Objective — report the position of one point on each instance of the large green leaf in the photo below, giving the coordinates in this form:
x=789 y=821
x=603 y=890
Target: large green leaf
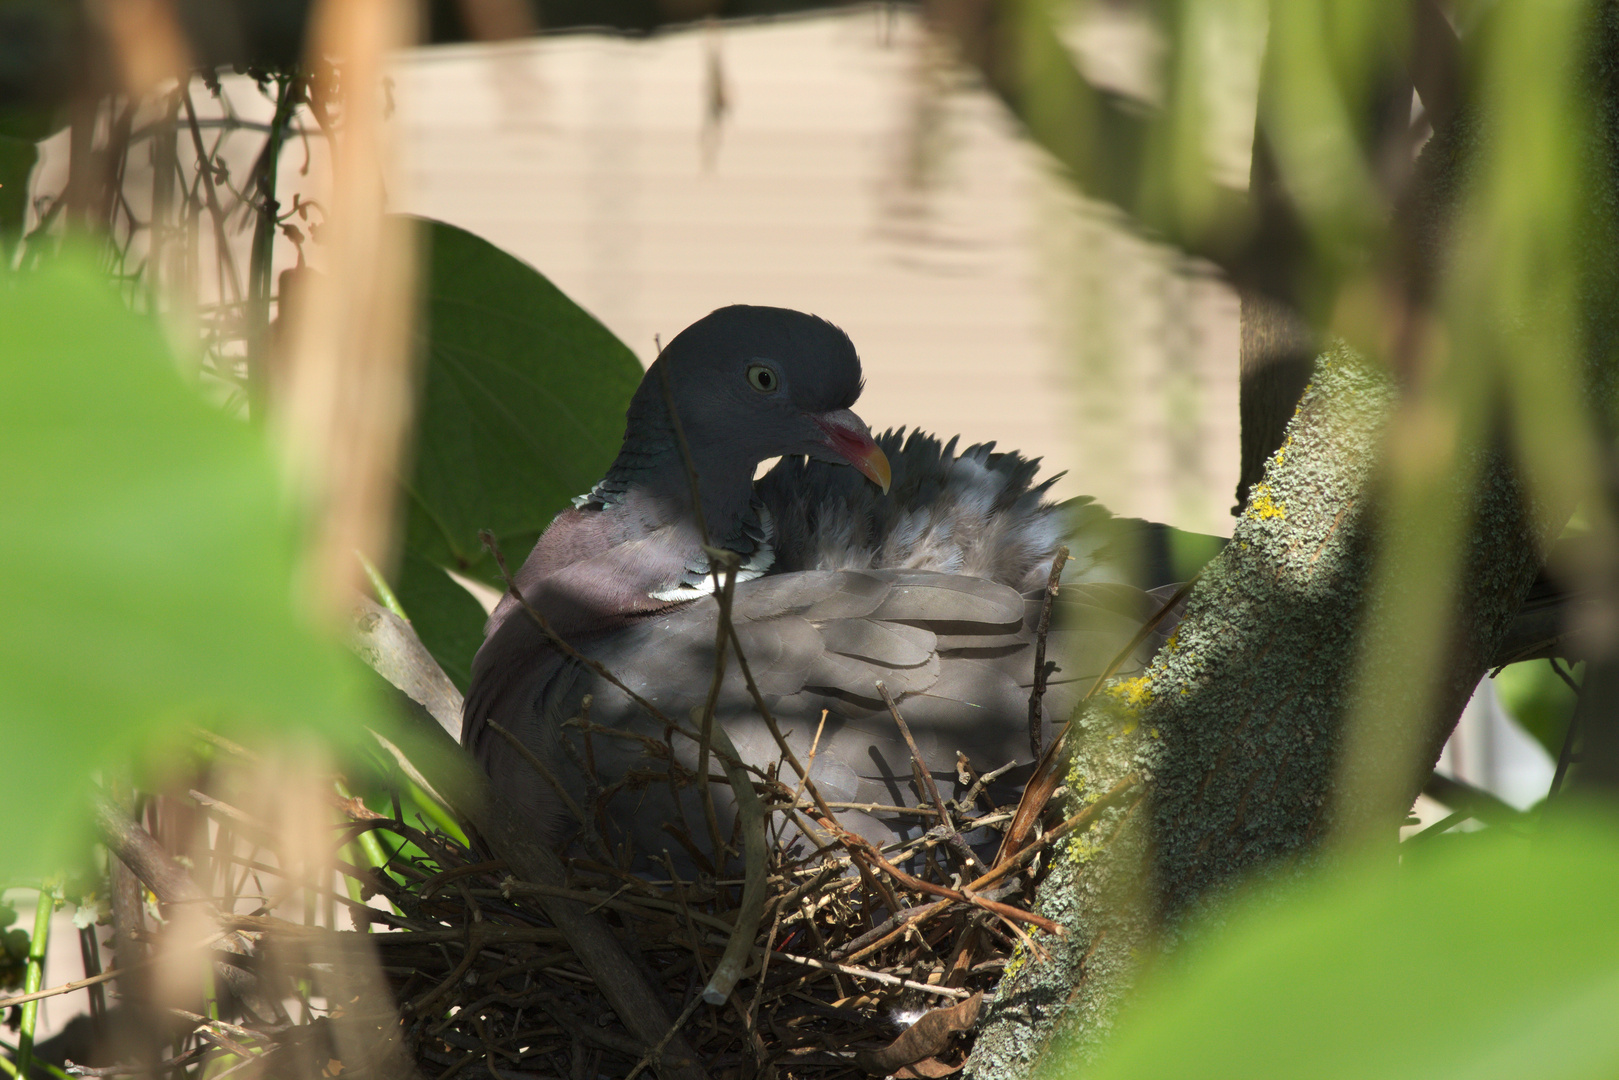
x=1488 y=957
x=147 y=561
x=522 y=408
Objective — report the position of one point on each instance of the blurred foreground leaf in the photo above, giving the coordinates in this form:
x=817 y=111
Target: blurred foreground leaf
x=1490 y=958
x=522 y=408
x=147 y=562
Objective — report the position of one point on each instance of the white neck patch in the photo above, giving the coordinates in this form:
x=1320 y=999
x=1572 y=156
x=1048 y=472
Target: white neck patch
x=699 y=580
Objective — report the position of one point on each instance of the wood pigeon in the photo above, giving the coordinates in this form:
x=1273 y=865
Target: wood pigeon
x=897 y=560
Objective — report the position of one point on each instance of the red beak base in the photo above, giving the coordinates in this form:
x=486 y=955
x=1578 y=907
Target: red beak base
x=856 y=446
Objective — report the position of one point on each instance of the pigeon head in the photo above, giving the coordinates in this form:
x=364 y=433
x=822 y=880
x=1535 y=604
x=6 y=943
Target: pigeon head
x=752 y=383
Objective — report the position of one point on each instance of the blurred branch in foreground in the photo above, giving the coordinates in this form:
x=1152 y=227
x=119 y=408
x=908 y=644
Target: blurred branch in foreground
x=348 y=382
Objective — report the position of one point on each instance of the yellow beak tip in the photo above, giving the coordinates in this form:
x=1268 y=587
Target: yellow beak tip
x=876 y=468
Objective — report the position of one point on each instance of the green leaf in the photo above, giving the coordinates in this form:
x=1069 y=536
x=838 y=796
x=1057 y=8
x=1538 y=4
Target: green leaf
x=1491 y=958
x=522 y=408
x=147 y=562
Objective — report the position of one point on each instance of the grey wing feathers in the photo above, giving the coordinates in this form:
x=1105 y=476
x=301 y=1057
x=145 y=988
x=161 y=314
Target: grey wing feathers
x=956 y=652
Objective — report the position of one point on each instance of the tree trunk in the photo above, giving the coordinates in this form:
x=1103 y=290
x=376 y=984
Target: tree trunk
x=1236 y=730
x=1276 y=355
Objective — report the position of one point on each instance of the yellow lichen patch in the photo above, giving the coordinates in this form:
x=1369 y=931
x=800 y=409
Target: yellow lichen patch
x=1263 y=505
x=1079 y=850
x=1132 y=693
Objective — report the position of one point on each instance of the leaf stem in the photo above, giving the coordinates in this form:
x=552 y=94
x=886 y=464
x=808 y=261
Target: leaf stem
x=10 y=1067
x=34 y=976
x=379 y=584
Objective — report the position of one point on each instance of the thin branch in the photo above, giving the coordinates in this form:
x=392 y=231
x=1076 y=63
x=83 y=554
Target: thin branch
x=876 y=976
x=952 y=838
x=1043 y=783
x=205 y=164
x=67 y=988
x=1041 y=672
x=551 y=778
x=966 y=895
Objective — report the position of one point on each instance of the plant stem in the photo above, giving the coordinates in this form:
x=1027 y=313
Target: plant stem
x=10 y=1068
x=385 y=594
x=259 y=263
x=34 y=976
x=435 y=811
x=366 y=850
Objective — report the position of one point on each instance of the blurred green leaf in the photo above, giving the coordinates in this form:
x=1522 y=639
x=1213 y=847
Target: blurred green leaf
x=1214 y=51
x=522 y=408
x=1495 y=958
x=1325 y=59
x=147 y=561
x=1539 y=221
x=1541 y=702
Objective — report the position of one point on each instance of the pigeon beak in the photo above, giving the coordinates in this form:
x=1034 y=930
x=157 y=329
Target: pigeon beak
x=850 y=439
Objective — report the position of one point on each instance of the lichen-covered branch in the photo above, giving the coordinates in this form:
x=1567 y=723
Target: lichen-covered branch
x=1231 y=726
x=1238 y=724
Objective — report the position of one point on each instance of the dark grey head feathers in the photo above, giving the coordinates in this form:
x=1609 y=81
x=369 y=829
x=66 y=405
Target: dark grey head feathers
x=816 y=363
x=746 y=382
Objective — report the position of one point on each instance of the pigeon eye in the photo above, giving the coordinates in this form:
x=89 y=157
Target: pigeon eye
x=761 y=378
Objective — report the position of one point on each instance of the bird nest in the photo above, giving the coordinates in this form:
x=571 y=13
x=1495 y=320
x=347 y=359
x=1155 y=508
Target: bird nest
x=858 y=967
x=865 y=962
